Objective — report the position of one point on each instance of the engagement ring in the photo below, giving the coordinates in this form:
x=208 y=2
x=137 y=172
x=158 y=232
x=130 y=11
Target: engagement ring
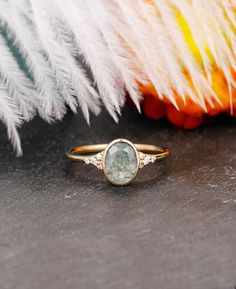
x=120 y=160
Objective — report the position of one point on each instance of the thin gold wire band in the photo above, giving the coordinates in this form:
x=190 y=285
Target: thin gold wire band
x=120 y=160
x=81 y=153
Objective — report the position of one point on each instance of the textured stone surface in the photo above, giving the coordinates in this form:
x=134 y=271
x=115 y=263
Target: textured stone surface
x=63 y=226
x=120 y=163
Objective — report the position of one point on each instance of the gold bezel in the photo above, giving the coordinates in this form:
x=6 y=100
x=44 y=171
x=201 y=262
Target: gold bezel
x=104 y=158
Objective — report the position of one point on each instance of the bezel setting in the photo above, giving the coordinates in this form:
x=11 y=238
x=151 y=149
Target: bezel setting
x=104 y=156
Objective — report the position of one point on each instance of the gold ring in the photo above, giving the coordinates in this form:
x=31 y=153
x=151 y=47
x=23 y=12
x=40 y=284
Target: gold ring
x=120 y=160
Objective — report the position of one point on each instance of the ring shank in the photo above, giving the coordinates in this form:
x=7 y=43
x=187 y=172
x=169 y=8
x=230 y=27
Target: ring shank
x=80 y=153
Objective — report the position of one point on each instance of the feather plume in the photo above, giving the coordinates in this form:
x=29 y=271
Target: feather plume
x=56 y=55
x=10 y=115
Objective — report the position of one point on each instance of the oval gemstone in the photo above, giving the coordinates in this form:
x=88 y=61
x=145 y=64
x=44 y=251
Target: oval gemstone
x=120 y=163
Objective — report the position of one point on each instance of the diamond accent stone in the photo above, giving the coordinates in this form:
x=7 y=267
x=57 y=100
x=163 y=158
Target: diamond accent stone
x=145 y=159
x=95 y=160
x=121 y=163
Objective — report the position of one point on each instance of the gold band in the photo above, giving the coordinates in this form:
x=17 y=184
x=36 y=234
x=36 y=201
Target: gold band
x=120 y=160
x=80 y=153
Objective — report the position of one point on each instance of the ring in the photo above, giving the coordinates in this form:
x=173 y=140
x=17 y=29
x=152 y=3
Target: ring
x=120 y=160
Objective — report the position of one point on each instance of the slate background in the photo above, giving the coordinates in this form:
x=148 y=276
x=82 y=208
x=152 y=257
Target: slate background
x=63 y=226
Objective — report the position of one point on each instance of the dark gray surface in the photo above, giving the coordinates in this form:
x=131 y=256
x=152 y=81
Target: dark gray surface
x=63 y=226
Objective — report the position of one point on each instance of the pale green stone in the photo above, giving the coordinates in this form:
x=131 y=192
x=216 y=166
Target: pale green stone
x=121 y=163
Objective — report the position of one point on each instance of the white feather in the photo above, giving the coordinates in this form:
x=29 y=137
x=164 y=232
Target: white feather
x=102 y=16
x=10 y=115
x=201 y=85
x=86 y=53
x=18 y=85
x=91 y=45
x=71 y=79
x=167 y=51
x=50 y=103
x=136 y=33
